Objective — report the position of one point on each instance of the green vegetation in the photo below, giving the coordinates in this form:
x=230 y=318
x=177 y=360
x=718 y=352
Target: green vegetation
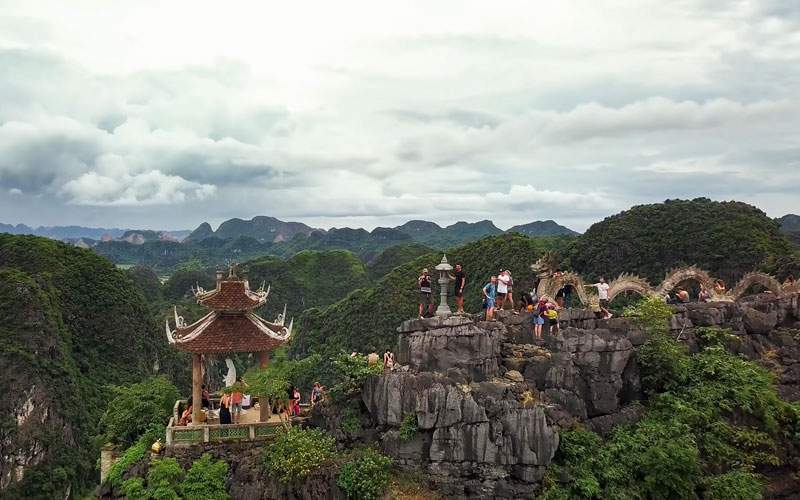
x=137 y=407
x=351 y=419
x=205 y=480
x=133 y=455
x=366 y=320
x=712 y=420
x=409 y=427
x=70 y=323
x=297 y=452
x=394 y=257
x=728 y=239
x=274 y=381
x=366 y=476
x=350 y=373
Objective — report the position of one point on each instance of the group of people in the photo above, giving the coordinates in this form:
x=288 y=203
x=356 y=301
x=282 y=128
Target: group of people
x=426 y=292
x=234 y=399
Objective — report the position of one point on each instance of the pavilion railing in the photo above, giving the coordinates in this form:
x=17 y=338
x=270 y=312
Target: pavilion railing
x=219 y=433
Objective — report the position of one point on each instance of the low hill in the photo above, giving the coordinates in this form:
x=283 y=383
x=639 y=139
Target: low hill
x=395 y=256
x=307 y=279
x=366 y=319
x=727 y=239
x=433 y=235
x=72 y=325
x=790 y=224
x=543 y=228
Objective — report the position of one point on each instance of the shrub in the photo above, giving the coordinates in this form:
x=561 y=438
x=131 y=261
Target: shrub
x=365 y=477
x=351 y=421
x=715 y=337
x=134 y=454
x=296 y=453
x=352 y=372
x=662 y=360
x=205 y=480
x=734 y=485
x=164 y=478
x=137 y=407
x=134 y=489
x=408 y=427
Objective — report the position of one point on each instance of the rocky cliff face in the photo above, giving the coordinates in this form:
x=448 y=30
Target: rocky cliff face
x=488 y=401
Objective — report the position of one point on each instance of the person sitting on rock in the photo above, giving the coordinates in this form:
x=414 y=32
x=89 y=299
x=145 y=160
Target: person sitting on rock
x=703 y=296
x=425 y=295
x=489 y=296
x=186 y=417
x=316 y=394
x=683 y=296
x=719 y=287
x=388 y=361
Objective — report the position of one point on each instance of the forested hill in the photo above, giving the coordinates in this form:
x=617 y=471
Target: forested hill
x=790 y=224
x=72 y=325
x=367 y=318
x=728 y=239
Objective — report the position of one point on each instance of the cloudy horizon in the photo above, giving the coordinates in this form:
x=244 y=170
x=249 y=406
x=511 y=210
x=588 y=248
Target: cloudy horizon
x=143 y=115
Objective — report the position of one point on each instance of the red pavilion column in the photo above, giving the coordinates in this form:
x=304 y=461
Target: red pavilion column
x=265 y=412
x=197 y=382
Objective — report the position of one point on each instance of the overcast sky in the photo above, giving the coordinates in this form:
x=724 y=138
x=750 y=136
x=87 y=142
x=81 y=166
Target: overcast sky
x=168 y=114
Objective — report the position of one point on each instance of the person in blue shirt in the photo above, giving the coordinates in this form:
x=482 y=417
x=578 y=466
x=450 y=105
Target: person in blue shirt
x=489 y=295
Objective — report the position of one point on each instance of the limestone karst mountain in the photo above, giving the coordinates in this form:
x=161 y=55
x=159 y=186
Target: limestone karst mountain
x=72 y=325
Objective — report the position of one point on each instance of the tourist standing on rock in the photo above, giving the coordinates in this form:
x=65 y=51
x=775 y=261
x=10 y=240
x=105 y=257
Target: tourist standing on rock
x=459 y=280
x=502 y=289
x=316 y=394
x=489 y=296
x=388 y=361
x=719 y=287
x=538 y=320
x=703 y=296
x=552 y=318
x=425 y=296
x=567 y=291
x=602 y=295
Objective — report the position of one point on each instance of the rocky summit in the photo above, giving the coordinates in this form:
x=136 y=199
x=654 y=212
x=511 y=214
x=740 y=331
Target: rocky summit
x=488 y=401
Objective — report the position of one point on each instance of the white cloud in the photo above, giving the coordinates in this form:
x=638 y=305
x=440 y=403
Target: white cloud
x=369 y=114
x=147 y=188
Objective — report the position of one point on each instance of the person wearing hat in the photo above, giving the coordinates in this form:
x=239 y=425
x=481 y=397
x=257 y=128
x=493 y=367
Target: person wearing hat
x=425 y=296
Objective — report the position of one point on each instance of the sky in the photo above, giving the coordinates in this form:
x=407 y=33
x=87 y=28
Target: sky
x=163 y=115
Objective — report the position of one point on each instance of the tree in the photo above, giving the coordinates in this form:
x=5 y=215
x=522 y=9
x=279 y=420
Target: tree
x=137 y=407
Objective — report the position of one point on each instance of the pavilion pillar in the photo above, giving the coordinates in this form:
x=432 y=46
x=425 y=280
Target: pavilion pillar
x=197 y=382
x=265 y=411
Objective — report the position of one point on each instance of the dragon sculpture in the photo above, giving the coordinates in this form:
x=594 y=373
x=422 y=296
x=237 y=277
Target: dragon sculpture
x=551 y=280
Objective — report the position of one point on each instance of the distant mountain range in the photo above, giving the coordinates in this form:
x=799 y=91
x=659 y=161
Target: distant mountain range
x=272 y=230
x=76 y=233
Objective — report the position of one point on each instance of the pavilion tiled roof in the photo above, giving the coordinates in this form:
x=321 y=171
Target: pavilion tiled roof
x=232 y=295
x=227 y=333
x=231 y=325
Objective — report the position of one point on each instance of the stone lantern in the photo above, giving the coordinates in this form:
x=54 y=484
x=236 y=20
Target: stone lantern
x=444 y=280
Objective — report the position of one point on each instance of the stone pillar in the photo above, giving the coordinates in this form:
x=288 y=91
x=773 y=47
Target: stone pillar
x=197 y=382
x=108 y=455
x=264 y=410
x=444 y=280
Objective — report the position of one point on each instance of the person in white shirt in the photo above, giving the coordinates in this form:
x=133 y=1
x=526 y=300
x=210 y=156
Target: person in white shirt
x=503 y=279
x=602 y=294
